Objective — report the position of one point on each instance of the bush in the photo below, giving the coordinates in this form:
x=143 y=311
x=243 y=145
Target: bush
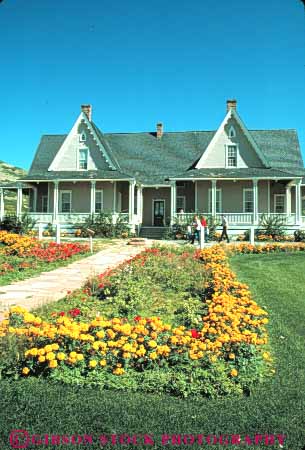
x=271 y=226
x=104 y=225
x=17 y=225
x=299 y=236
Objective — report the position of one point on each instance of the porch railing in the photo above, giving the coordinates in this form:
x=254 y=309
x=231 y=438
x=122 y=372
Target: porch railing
x=73 y=217
x=237 y=218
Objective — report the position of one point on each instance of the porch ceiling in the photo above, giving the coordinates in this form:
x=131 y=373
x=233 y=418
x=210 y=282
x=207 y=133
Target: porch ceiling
x=236 y=173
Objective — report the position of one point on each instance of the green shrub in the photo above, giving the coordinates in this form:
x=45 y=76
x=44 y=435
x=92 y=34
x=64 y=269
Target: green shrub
x=271 y=226
x=299 y=236
x=105 y=225
x=17 y=225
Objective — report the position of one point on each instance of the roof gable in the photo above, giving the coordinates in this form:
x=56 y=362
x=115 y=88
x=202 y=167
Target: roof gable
x=66 y=159
x=224 y=137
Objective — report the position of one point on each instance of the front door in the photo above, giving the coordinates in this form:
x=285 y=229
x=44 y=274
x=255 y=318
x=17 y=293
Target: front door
x=158 y=213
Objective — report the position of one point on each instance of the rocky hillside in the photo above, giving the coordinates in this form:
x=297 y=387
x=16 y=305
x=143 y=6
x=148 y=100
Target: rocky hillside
x=9 y=172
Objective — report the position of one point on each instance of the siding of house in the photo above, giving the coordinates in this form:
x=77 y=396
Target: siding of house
x=188 y=191
x=247 y=155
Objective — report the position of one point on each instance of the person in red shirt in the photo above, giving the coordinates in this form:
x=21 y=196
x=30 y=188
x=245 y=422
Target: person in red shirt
x=205 y=227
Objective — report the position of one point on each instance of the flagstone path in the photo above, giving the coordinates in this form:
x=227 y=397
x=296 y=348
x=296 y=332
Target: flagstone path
x=51 y=286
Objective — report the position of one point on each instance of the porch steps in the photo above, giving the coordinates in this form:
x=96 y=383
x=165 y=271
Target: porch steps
x=153 y=232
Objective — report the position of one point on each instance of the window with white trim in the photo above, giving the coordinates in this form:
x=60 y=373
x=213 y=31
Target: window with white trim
x=82 y=137
x=99 y=201
x=279 y=203
x=180 y=202
x=65 y=201
x=44 y=204
x=83 y=159
x=232 y=132
x=248 y=200
x=218 y=201
x=231 y=156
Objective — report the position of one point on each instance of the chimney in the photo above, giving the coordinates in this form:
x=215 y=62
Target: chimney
x=231 y=104
x=87 y=109
x=159 y=130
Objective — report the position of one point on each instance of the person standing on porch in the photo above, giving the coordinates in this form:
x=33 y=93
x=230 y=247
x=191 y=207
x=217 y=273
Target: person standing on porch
x=224 y=234
x=197 y=229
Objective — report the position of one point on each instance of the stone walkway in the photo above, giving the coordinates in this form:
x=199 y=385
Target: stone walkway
x=51 y=286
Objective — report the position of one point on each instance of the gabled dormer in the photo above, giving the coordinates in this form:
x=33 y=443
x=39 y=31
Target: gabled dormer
x=83 y=148
x=232 y=146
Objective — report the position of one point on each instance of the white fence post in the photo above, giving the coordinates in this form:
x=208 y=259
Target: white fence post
x=91 y=243
x=40 y=230
x=58 y=233
x=201 y=238
x=252 y=235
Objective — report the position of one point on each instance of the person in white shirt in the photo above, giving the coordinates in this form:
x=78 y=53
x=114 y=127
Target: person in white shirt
x=197 y=226
x=224 y=234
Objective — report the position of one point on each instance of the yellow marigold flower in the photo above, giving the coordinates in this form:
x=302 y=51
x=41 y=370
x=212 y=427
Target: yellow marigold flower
x=61 y=356
x=100 y=334
x=79 y=357
x=48 y=348
x=55 y=346
x=92 y=363
x=152 y=344
x=103 y=362
x=50 y=356
x=72 y=354
x=25 y=371
x=41 y=351
x=231 y=356
x=234 y=373
x=53 y=364
x=126 y=355
x=153 y=355
x=118 y=371
x=213 y=358
x=41 y=359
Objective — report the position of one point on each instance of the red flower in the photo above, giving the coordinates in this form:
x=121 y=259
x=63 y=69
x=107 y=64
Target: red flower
x=195 y=334
x=74 y=312
x=62 y=313
x=137 y=318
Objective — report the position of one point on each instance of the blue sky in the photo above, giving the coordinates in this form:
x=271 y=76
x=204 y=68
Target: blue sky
x=141 y=62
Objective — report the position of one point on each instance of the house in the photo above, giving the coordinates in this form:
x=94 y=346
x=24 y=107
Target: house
x=150 y=176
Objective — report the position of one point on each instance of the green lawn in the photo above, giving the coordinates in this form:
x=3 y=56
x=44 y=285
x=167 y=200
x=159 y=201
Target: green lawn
x=278 y=406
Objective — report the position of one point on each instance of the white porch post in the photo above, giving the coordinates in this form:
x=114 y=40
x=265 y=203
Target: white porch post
x=140 y=203
x=92 y=197
x=288 y=201
x=131 y=201
x=1 y=204
x=298 y=202
x=173 y=201
x=214 y=198
x=55 y=201
x=196 y=197
x=268 y=193
x=255 y=201
x=19 y=201
x=114 y=196
x=34 y=199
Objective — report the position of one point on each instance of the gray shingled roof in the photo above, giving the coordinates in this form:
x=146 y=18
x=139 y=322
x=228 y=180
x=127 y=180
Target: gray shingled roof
x=236 y=173
x=152 y=161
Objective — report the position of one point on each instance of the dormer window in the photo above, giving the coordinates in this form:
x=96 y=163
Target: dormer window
x=83 y=159
x=232 y=153
x=82 y=137
x=232 y=132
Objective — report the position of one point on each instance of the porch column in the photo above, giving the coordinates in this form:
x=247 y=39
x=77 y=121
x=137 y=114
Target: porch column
x=214 y=198
x=268 y=194
x=19 y=201
x=298 y=202
x=196 y=197
x=114 y=196
x=139 y=203
x=55 y=201
x=288 y=201
x=35 y=199
x=131 y=201
x=1 y=204
x=255 y=201
x=92 y=197
x=173 y=201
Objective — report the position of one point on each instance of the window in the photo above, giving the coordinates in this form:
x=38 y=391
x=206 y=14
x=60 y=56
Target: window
x=83 y=159
x=82 y=137
x=279 y=203
x=232 y=132
x=231 y=156
x=218 y=201
x=180 y=202
x=248 y=201
x=98 y=201
x=44 y=204
x=65 y=201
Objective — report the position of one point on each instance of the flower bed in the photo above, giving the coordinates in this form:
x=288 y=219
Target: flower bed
x=226 y=353
x=265 y=248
